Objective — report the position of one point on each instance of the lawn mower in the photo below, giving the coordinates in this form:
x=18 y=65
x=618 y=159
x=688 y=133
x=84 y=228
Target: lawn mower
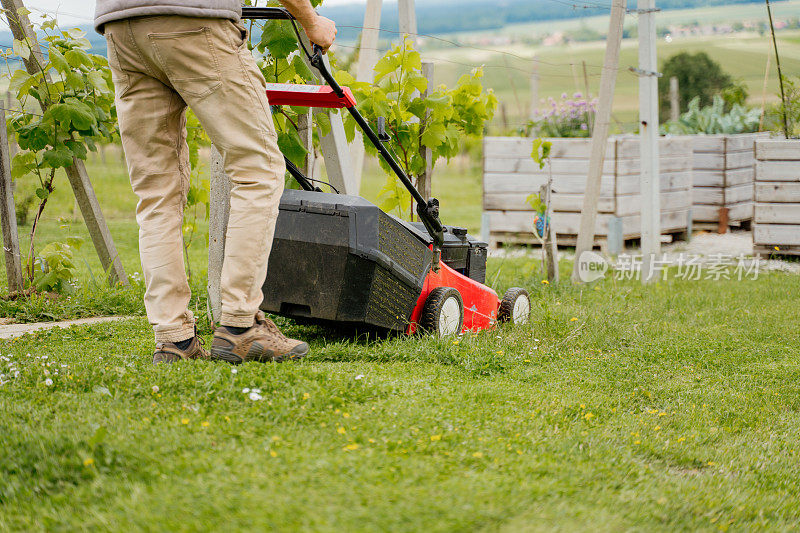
x=339 y=259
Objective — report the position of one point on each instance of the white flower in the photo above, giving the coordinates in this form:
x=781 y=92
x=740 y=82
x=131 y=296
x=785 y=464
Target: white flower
x=360 y=376
x=257 y=391
x=234 y=371
x=255 y=396
x=48 y=382
x=245 y=391
x=155 y=389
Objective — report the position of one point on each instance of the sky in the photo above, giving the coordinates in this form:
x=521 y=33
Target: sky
x=82 y=11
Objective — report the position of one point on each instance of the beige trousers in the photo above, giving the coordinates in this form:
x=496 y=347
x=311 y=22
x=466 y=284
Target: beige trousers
x=160 y=65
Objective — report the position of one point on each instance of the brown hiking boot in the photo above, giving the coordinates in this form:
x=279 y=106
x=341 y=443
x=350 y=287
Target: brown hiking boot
x=263 y=342
x=168 y=352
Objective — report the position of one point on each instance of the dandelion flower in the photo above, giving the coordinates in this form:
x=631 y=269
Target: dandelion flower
x=306 y=396
x=346 y=415
x=477 y=455
x=352 y=446
x=777 y=248
x=588 y=416
x=273 y=453
x=205 y=423
x=545 y=282
x=341 y=430
x=184 y=421
x=434 y=438
x=88 y=461
x=573 y=319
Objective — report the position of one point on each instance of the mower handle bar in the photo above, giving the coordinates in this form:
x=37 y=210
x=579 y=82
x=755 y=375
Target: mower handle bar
x=428 y=210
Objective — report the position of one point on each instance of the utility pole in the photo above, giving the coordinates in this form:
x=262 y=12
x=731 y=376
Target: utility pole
x=608 y=80
x=648 y=135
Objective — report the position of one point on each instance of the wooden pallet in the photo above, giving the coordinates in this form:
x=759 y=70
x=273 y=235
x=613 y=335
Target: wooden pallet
x=777 y=195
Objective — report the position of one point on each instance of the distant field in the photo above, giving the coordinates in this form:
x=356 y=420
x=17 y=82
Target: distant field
x=703 y=15
x=560 y=70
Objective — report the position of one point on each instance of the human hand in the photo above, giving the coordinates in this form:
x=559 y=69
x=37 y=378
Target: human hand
x=321 y=31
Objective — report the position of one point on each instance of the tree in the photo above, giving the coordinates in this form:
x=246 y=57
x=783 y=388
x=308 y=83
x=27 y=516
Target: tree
x=698 y=76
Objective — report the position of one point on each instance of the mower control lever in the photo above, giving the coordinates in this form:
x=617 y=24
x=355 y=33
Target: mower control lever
x=382 y=129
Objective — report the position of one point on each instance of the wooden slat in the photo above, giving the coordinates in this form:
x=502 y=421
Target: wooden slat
x=777 y=150
x=505 y=183
x=778 y=214
x=776 y=234
x=737 y=194
x=708 y=196
x=740 y=176
x=774 y=192
x=777 y=170
x=708 y=178
x=735 y=160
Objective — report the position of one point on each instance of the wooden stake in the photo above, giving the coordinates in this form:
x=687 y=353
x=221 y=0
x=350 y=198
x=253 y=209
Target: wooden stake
x=764 y=94
x=408 y=18
x=674 y=100
x=608 y=79
x=8 y=214
x=426 y=180
x=76 y=173
x=220 y=208
x=367 y=57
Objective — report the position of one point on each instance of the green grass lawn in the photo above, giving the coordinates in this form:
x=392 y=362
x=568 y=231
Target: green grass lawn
x=617 y=407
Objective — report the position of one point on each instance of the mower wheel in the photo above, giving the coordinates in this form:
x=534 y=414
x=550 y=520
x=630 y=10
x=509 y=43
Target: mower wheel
x=443 y=313
x=515 y=307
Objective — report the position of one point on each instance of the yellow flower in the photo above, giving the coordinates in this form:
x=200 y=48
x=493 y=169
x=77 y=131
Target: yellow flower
x=88 y=461
x=499 y=352
x=275 y=438
x=573 y=319
x=205 y=423
x=184 y=421
x=351 y=447
x=545 y=282
x=273 y=453
x=227 y=419
x=777 y=248
x=526 y=360
x=711 y=463
x=519 y=452
x=372 y=441
x=588 y=416
x=637 y=442
x=306 y=396
x=681 y=439
x=477 y=454
x=662 y=413
x=657 y=428
x=341 y=430
x=346 y=415
x=434 y=438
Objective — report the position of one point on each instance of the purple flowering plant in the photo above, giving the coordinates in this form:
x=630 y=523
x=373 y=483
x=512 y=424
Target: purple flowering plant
x=566 y=117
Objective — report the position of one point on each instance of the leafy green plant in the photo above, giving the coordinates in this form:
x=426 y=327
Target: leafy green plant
x=540 y=154
x=74 y=91
x=713 y=119
x=439 y=121
x=198 y=201
x=55 y=269
x=792 y=109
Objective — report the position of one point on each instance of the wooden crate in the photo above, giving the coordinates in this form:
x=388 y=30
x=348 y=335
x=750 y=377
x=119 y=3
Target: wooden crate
x=777 y=197
x=724 y=167
x=510 y=175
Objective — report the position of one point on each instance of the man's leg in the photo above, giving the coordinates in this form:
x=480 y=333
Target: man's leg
x=208 y=63
x=152 y=123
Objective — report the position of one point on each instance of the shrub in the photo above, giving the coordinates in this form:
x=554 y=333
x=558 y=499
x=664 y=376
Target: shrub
x=699 y=76
x=713 y=119
x=567 y=117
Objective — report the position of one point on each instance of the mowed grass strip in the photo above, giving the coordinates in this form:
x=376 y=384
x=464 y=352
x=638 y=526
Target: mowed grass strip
x=672 y=406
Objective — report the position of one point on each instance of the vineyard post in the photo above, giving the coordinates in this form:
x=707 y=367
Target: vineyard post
x=22 y=30
x=648 y=139
x=367 y=57
x=8 y=215
x=608 y=79
x=219 y=211
x=674 y=102
x=534 y=108
x=426 y=179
